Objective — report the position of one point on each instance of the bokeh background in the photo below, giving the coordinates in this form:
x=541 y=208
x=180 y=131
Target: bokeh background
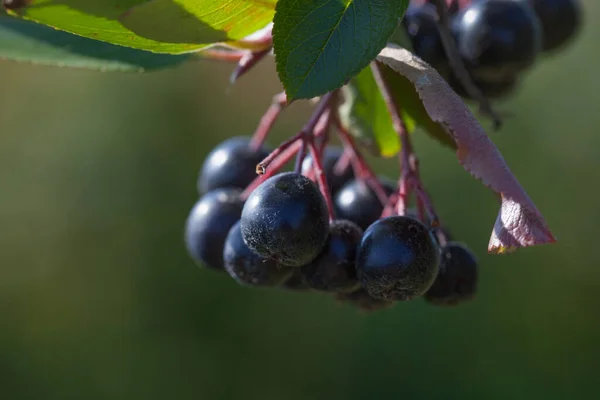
x=98 y=299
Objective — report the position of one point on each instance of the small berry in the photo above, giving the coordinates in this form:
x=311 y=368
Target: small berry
x=358 y=203
x=246 y=267
x=421 y=26
x=333 y=270
x=457 y=279
x=491 y=89
x=286 y=219
x=231 y=164
x=208 y=224
x=497 y=39
x=331 y=155
x=560 y=19
x=363 y=301
x=397 y=259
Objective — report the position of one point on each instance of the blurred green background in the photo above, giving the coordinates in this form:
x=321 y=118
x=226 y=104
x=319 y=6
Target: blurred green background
x=99 y=300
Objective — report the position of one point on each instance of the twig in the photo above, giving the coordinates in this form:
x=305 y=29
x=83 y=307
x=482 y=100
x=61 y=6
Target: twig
x=267 y=120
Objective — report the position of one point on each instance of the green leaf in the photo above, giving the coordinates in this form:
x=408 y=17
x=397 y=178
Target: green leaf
x=320 y=44
x=30 y=42
x=365 y=115
x=160 y=26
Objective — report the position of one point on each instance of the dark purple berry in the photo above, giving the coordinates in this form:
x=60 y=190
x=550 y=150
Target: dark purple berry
x=358 y=203
x=457 y=280
x=491 y=89
x=286 y=219
x=296 y=282
x=246 y=267
x=209 y=223
x=497 y=39
x=331 y=155
x=560 y=19
x=333 y=270
x=363 y=301
x=420 y=23
x=397 y=259
x=231 y=164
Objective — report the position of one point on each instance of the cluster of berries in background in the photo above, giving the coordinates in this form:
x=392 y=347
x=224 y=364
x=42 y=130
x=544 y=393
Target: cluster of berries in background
x=282 y=234
x=498 y=40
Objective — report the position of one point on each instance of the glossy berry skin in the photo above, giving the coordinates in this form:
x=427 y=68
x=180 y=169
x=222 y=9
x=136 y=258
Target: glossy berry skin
x=209 y=223
x=285 y=219
x=330 y=157
x=357 y=202
x=363 y=301
x=333 y=270
x=231 y=164
x=420 y=23
x=560 y=19
x=497 y=39
x=397 y=259
x=457 y=280
x=246 y=267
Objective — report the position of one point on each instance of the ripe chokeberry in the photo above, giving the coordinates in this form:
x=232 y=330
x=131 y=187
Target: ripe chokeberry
x=420 y=23
x=490 y=89
x=331 y=156
x=358 y=203
x=231 y=164
x=296 y=282
x=497 y=39
x=397 y=259
x=457 y=280
x=286 y=219
x=208 y=224
x=560 y=21
x=248 y=268
x=333 y=270
x=362 y=300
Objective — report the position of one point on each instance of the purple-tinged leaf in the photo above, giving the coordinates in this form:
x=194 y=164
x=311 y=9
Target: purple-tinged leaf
x=519 y=223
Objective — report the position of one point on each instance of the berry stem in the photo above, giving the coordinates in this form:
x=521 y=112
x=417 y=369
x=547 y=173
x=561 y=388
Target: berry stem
x=267 y=120
x=247 y=62
x=409 y=163
x=457 y=65
x=223 y=55
x=362 y=170
x=278 y=162
x=300 y=157
x=320 y=177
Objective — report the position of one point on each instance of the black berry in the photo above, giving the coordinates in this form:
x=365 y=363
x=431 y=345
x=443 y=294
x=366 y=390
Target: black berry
x=231 y=164
x=560 y=19
x=333 y=270
x=497 y=39
x=209 y=223
x=362 y=300
x=285 y=219
x=357 y=202
x=491 y=89
x=420 y=23
x=248 y=268
x=397 y=259
x=331 y=155
x=296 y=282
x=457 y=280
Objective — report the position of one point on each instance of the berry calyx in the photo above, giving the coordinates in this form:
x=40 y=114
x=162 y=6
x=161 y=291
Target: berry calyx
x=248 y=268
x=457 y=279
x=357 y=202
x=560 y=19
x=208 y=225
x=286 y=219
x=397 y=259
x=231 y=164
x=334 y=269
x=497 y=39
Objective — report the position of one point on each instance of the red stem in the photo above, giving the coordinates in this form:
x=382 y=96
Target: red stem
x=268 y=119
x=362 y=170
x=409 y=176
x=246 y=63
x=224 y=55
x=321 y=178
